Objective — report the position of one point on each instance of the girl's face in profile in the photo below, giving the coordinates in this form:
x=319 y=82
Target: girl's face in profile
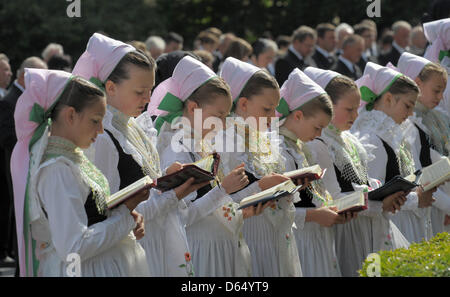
x=87 y=124
x=131 y=95
x=432 y=90
x=346 y=110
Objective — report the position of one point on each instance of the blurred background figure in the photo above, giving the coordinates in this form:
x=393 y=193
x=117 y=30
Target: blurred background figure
x=352 y=49
x=207 y=41
x=206 y=57
x=342 y=30
x=326 y=44
x=239 y=49
x=283 y=42
x=264 y=53
x=402 y=32
x=50 y=50
x=174 y=42
x=156 y=46
x=302 y=46
x=418 y=41
x=366 y=32
x=224 y=42
x=5 y=74
x=60 y=62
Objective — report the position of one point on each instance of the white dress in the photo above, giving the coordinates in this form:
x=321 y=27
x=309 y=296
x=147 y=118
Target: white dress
x=107 y=248
x=372 y=230
x=371 y=127
x=441 y=206
x=213 y=222
x=269 y=236
x=316 y=244
x=165 y=241
x=444 y=105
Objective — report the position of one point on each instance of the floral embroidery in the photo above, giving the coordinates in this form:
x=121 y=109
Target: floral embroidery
x=229 y=212
x=188 y=264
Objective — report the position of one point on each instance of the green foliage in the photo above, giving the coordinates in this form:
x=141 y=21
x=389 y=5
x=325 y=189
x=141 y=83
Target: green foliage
x=27 y=26
x=427 y=258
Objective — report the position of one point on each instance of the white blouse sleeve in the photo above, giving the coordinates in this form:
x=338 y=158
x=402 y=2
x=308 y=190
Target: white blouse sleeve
x=106 y=158
x=63 y=201
x=377 y=166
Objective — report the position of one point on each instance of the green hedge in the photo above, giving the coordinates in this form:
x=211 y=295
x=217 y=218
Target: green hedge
x=427 y=258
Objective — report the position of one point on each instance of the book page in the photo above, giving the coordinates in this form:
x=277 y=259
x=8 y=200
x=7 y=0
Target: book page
x=128 y=191
x=206 y=163
x=351 y=200
x=285 y=186
x=312 y=169
x=435 y=174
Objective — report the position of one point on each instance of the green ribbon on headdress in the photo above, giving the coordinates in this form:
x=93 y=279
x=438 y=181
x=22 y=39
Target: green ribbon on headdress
x=370 y=97
x=98 y=83
x=173 y=105
x=443 y=54
x=283 y=108
x=42 y=118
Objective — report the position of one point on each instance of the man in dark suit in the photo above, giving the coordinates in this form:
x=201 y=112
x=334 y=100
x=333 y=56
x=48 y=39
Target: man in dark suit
x=365 y=31
x=326 y=43
x=352 y=49
x=8 y=140
x=402 y=31
x=303 y=42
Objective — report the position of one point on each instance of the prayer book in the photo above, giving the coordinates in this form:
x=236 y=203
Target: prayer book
x=354 y=202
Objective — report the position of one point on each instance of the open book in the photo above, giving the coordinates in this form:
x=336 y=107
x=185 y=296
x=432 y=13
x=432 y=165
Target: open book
x=312 y=173
x=354 y=202
x=395 y=185
x=432 y=175
x=276 y=192
x=202 y=170
x=129 y=191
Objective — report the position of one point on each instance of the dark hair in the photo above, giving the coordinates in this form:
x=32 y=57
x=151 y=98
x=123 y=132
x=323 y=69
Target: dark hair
x=79 y=94
x=260 y=80
x=239 y=49
x=207 y=93
x=262 y=45
x=167 y=62
x=172 y=36
x=338 y=86
x=361 y=28
x=319 y=103
x=283 y=41
x=136 y=58
x=323 y=28
x=207 y=37
x=60 y=62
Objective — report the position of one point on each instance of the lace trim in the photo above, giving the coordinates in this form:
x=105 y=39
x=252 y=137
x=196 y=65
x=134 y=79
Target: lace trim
x=58 y=146
x=348 y=154
x=134 y=141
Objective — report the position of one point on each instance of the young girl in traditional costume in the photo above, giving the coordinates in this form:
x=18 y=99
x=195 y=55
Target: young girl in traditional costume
x=347 y=161
x=65 y=226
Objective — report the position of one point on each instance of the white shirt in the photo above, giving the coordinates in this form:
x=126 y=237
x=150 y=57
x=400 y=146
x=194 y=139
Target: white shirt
x=347 y=63
x=16 y=83
x=323 y=52
x=295 y=52
x=400 y=49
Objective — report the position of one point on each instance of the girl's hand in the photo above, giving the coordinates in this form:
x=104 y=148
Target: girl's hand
x=174 y=168
x=425 y=198
x=394 y=202
x=325 y=216
x=236 y=180
x=256 y=210
x=188 y=187
x=136 y=199
x=271 y=180
x=139 y=231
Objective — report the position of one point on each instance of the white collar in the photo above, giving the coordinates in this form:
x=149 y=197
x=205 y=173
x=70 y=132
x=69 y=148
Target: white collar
x=347 y=63
x=294 y=51
x=16 y=83
x=400 y=49
x=322 y=51
x=2 y=92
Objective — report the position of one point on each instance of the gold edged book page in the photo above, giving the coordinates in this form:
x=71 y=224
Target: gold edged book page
x=433 y=175
x=129 y=191
x=353 y=202
x=312 y=173
x=276 y=192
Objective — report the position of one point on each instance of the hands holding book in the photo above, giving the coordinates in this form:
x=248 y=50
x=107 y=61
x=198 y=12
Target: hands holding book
x=394 y=202
x=425 y=197
x=136 y=199
x=187 y=187
x=325 y=216
x=271 y=180
x=251 y=211
x=235 y=180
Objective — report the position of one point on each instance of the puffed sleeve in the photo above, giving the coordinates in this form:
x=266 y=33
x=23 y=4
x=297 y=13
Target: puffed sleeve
x=62 y=198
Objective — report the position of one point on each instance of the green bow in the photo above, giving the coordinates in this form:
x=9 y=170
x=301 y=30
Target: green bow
x=173 y=105
x=370 y=97
x=443 y=54
x=42 y=118
x=283 y=108
x=98 y=83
